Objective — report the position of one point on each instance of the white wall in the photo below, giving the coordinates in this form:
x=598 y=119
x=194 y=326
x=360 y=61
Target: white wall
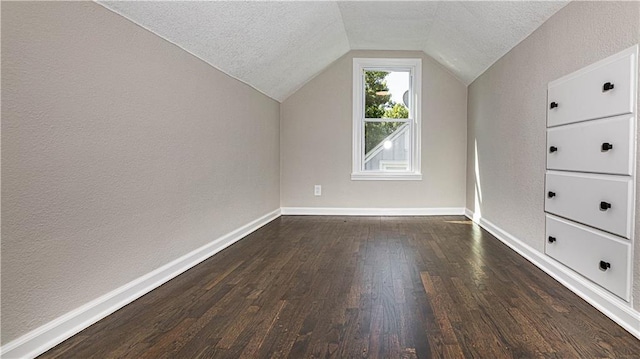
x=316 y=136
x=120 y=153
x=507 y=104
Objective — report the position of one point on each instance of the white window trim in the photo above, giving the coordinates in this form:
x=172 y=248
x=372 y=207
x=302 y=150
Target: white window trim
x=386 y=64
x=391 y=163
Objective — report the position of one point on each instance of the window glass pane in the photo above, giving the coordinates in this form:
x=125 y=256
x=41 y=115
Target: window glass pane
x=386 y=94
x=387 y=146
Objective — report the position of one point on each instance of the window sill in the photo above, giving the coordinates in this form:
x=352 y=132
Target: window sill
x=385 y=176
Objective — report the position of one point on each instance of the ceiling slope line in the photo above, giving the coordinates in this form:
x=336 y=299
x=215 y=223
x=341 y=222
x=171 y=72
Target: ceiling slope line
x=514 y=46
x=185 y=50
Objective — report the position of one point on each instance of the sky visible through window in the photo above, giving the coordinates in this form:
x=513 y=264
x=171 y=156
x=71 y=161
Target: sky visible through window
x=398 y=83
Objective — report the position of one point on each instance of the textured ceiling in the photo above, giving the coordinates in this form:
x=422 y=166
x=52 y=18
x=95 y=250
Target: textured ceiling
x=276 y=47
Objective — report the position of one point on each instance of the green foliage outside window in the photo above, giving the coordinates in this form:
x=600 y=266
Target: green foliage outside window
x=378 y=104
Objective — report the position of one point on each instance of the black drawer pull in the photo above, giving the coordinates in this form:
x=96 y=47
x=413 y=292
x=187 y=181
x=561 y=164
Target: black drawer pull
x=553 y=149
x=604 y=265
x=553 y=105
x=604 y=206
x=551 y=194
x=607 y=86
x=552 y=239
x=607 y=146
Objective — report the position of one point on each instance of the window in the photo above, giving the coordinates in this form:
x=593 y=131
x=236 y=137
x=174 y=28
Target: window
x=386 y=119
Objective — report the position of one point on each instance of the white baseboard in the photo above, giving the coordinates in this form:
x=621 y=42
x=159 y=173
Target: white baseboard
x=51 y=334
x=613 y=307
x=328 y=211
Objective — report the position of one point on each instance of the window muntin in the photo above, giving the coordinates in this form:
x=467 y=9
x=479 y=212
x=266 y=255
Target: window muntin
x=386 y=119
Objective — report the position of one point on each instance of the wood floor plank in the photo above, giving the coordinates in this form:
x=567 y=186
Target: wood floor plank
x=358 y=287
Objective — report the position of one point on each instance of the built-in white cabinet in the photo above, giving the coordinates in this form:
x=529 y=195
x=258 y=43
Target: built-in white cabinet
x=598 y=201
x=598 y=146
x=601 y=257
x=589 y=196
x=603 y=89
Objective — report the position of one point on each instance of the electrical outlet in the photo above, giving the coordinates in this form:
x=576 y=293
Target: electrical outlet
x=317 y=190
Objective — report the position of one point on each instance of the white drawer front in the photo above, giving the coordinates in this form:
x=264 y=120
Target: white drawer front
x=579 y=146
x=583 y=249
x=582 y=96
x=586 y=198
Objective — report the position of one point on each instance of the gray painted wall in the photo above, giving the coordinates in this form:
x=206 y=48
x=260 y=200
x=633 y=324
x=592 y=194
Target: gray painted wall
x=507 y=114
x=120 y=153
x=316 y=136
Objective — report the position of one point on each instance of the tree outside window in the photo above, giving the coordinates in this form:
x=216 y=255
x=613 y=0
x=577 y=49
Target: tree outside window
x=378 y=104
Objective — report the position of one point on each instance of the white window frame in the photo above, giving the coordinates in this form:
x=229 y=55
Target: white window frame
x=391 y=164
x=414 y=66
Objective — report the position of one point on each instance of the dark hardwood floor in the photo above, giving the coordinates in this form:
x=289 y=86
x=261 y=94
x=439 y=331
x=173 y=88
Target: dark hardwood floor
x=346 y=287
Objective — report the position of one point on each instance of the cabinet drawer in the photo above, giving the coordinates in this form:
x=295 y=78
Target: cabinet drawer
x=600 y=257
x=584 y=146
x=599 y=201
x=583 y=95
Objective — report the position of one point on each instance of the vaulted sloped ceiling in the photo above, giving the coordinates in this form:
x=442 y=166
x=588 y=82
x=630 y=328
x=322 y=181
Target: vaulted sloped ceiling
x=276 y=47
